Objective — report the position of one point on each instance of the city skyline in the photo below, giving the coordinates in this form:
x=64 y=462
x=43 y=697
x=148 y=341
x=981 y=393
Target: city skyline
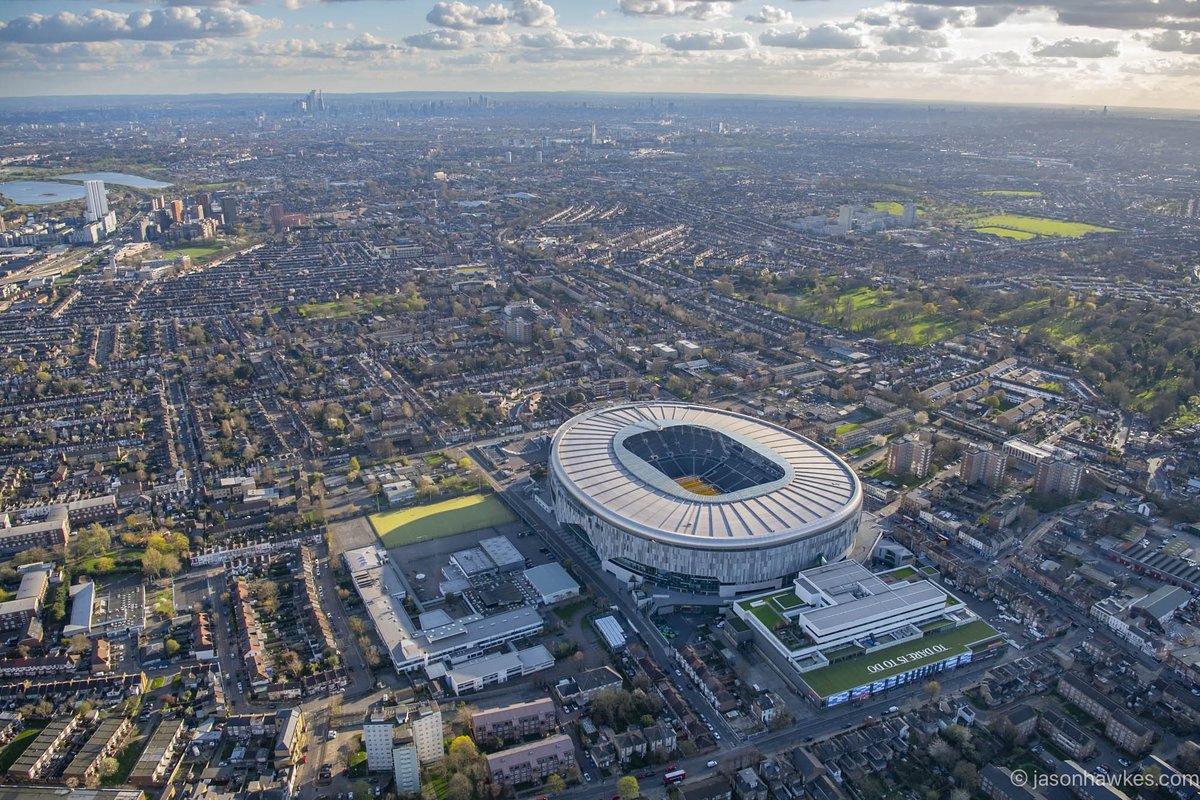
x=1063 y=51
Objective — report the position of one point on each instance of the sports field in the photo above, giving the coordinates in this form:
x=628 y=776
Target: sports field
x=854 y=673
x=1008 y=233
x=448 y=518
x=1038 y=226
x=1010 y=193
x=893 y=208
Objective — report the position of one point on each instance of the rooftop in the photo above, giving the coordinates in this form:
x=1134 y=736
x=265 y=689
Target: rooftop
x=680 y=472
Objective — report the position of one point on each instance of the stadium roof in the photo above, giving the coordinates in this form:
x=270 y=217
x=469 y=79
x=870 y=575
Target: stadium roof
x=702 y=476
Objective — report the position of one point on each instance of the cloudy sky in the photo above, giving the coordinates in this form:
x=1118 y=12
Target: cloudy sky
x=1114 y=52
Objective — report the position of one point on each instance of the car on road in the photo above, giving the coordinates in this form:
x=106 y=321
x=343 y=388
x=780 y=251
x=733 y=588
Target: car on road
x=1124 y=762
x=711 y=763
x=716 y=736
x=587 y=776
x=331 y=735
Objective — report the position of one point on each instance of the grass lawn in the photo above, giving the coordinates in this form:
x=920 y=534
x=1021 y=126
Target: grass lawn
x=17 y=746
x=125 y=761
x=450 y=517
x=868 y=310
x=846 y=428
x=198 y=252
x=788 y=600
x=899 y=574
x=567 y=612
x=766 y=613
x=1039 y=226
x=893 y=208
x=1010 y=193
x=851 y=674
x=1007 y=233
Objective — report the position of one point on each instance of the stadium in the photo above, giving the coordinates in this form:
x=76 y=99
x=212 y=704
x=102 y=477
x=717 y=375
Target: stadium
x=701 y=500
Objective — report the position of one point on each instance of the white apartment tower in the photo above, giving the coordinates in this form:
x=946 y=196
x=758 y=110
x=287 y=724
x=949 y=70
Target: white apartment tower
x=425 y=722
x=408 y=770
x=97 y=200
x=377 y=739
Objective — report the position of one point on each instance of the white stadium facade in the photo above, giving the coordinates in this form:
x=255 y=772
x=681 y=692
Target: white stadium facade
x=701 y=500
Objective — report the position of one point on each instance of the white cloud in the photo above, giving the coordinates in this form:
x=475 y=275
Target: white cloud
x=913 y=37
x=708 y=40
x=461 y=16
x=1175 y=42
x=167 y=24
x=556 y=44
x=533 y=13
x=821 y=37
x=1075 y=48
x=694 y=9
x=771 y=15
x=441 y=40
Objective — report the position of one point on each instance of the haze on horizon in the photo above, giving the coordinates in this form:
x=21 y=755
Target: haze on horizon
x=1114 y=52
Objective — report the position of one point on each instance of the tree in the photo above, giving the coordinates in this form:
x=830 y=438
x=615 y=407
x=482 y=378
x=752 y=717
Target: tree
x=108 y=767
x=555 y=784
x=463 y=754
x=171 y=646
x=941 y=752
x=156 y=563
x=459 y=787
x=932 y=690
x=627 y=787
x=361 y=788
x=966 y=775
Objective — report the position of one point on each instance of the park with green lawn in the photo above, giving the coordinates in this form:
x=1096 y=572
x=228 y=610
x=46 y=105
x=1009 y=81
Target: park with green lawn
x=1019 y=226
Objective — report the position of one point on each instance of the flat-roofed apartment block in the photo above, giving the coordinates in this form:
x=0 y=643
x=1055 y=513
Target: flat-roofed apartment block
x=52 y=531
x=158 y=760
x=289 y=737
x=63 y=793
x=44 y=749
x=27 y=604
x=516 y=721
x=105 y=741
x=1066 y=735
x=532 y=762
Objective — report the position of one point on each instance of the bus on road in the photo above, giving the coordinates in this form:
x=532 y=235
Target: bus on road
x=674 y=776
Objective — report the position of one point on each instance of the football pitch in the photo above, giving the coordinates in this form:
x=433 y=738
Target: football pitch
x=447 y=518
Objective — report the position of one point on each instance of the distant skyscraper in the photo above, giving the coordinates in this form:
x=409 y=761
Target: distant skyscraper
x=539 y=156
x=845 y=217
x=229 y=210
x=177 y=210
x=315 y=103
x=595 y=138
x=97 y=200
x=277 y=216
x=908 y=217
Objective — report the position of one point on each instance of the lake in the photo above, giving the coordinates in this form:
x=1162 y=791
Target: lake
x=40 y=192
x=116 y=178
